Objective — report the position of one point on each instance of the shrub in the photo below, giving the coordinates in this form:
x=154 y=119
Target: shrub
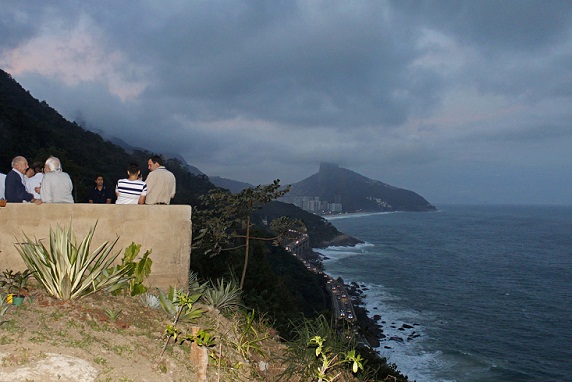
x=224 y=295
x=303 y=360
x=136 y=271
x=179 y=305
x=67 y=270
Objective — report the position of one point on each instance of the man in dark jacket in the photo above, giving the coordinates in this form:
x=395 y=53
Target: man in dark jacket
x=15 y=189
x=100 y=194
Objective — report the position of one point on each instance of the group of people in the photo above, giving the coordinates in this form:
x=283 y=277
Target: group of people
x=22 y=185
x=49 y=184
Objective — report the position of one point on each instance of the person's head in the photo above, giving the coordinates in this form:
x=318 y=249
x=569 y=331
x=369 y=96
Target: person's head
x=154 y=162
x=53 y=165
x=99 y=180
x=133 y=169
x=30 y=172
x=38 y=167
x=20 y=164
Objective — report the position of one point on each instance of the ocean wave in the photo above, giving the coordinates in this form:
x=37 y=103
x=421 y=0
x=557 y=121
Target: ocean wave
x=336 y=253
x=355 y=215
x=404 y=333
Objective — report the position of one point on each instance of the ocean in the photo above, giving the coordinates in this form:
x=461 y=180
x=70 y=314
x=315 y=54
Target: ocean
x=485 y=291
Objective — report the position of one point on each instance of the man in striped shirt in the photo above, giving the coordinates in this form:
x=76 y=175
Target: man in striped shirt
x=131 y=190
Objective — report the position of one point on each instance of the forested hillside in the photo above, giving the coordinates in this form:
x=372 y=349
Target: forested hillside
x=33 y=129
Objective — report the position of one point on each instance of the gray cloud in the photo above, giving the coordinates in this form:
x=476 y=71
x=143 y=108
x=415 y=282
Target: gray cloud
x=435 y=96
x=494 y=25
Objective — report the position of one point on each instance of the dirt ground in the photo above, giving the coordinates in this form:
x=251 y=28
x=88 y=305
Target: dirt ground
x=50 y=340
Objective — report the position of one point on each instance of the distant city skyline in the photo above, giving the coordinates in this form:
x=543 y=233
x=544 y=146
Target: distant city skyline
x=459 y=101
x=314 y=204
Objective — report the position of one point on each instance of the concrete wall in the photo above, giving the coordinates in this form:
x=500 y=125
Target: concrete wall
x=165 y=230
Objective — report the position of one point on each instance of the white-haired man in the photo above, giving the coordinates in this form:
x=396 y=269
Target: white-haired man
x=15 y=189
x=56 y=185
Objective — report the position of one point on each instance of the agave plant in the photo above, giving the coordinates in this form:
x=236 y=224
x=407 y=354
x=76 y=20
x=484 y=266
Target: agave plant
x=69 y=271
x=150 y=300
x=224 y=295
x=195 y=287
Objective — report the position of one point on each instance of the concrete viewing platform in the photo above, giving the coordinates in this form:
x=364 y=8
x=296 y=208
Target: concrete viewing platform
x=165 y=230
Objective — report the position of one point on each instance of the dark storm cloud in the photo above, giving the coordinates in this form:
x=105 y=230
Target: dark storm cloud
x=273 y=63
x=17 y=23
x=419 y=93
x=524 y=44
x=514 y=25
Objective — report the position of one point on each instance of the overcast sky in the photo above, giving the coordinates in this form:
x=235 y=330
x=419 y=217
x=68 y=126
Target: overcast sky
x=460 y=101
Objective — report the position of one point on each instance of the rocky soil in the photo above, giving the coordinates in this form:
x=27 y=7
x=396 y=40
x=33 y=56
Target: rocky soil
x=50 y=340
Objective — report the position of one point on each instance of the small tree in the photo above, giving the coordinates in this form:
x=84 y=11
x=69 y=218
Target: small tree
x=227 y=218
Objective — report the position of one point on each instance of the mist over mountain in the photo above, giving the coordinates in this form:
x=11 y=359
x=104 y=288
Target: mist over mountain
x=233 y=186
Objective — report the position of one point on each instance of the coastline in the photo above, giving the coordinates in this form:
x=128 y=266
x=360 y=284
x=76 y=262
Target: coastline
x=379 y=336
x=342 y=240
x=369 y=326
x=402 y=267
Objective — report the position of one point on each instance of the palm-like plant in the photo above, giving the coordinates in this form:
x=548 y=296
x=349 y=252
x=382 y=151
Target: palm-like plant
x=69 y=271
x=224 y=295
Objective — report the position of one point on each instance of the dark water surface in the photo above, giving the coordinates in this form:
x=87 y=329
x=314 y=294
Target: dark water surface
x=490 y=288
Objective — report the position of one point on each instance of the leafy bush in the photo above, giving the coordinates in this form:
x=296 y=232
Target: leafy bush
x=329 y=360
x=15 y=283
x=179 y=305
x=303 y=360
x=67 y=270
x=136 y=271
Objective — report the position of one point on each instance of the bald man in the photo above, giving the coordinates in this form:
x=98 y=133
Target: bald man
x=15 y=189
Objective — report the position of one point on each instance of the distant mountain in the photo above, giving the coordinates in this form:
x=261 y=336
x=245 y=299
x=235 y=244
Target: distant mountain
x=233 y=186
x=356 y=192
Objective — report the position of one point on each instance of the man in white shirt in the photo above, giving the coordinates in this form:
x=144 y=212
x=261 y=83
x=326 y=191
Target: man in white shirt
x=34 y=183
x=2 y=180
x=161 y=184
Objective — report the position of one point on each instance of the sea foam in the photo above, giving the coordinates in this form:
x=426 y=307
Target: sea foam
x=403 y=347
